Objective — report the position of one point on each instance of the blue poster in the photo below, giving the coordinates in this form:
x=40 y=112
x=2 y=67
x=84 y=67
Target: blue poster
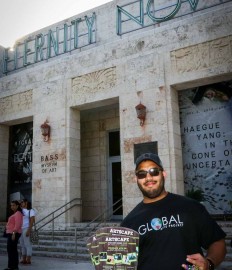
x=206 y=130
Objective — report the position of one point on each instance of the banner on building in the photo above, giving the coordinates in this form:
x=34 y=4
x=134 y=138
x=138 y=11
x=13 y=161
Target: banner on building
x=20 y=162
x=206 y=130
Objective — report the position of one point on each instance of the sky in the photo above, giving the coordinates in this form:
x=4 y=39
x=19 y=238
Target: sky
x=21 y=17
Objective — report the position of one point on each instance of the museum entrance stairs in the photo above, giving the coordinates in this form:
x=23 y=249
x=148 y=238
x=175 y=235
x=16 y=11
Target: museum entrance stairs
x=67 y=242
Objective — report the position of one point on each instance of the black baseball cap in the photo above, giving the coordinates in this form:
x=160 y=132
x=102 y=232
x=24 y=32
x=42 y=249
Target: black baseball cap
x=149 y=156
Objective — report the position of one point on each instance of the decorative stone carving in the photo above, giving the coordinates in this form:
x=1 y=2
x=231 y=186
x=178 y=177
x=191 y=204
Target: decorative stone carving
x=94 y=82
x=16 y=103
x=202 y=56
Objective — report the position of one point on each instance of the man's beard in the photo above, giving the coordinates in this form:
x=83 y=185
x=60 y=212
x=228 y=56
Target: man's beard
x=154 y=193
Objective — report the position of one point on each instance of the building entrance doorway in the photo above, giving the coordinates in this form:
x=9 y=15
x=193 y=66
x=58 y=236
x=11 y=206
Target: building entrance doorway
x=20 y=162
x=115 y=174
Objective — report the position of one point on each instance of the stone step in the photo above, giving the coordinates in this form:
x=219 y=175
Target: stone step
x=60 y=235
x=226 y=226
x=53 y=254
x=57 y=251
x=228 y=246
x=60 y=248
x=229 y=256
x=60 y=245
x=226 y=265
x=47 y=242
x=65 y=255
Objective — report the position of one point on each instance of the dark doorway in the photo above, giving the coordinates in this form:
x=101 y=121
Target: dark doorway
x=115 y=174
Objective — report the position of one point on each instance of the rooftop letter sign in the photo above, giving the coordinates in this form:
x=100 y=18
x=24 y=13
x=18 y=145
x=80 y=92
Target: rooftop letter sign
x=143 y=13
x=80 y=33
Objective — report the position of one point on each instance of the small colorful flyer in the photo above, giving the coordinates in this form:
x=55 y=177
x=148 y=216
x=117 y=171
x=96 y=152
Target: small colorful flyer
x=114 y=248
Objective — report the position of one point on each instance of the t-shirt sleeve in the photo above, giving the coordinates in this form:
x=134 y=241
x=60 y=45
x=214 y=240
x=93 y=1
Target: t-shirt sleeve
x=32 y=213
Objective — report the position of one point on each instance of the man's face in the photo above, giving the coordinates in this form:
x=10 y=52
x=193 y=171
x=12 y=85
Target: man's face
x=152 y=187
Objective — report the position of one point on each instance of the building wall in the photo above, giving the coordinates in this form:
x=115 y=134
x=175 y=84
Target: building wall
x=95 y=125
x=150 y=66
x=4 y=138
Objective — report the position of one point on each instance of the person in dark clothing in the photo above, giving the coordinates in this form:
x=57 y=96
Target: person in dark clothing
x=13 y=231
x=173 y=229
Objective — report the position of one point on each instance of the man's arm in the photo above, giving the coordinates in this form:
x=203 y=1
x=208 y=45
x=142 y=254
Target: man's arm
x=215 y=253
x=31 y=223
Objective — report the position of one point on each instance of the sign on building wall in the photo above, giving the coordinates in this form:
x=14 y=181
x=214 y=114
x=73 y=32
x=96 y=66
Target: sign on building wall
x=147 y=147
x=81 y=32
x=206 y=129
x=144 y=13
x=20 y=162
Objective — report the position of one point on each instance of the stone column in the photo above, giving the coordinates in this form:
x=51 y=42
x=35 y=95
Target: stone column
x=4 y=145
x=73 y=165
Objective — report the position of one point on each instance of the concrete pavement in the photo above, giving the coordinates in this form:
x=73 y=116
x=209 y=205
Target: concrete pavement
x=47 y=263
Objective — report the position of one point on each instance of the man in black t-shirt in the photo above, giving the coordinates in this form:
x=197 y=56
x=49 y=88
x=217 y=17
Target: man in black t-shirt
x=173 y=229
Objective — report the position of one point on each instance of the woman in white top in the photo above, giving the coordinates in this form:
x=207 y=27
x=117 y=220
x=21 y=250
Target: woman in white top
x=28 y=221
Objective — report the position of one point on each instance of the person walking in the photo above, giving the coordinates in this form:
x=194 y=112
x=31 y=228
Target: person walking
x=173 y=229
x=28 y=221
x=13 y=232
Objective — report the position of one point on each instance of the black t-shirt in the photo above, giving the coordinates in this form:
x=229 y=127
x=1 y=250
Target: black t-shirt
x=170 y=229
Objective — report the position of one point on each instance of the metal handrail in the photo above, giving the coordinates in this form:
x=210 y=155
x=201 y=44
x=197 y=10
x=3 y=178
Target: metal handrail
x=103 y=214
x=58 y=209
x=53 y=217
x=106 y=214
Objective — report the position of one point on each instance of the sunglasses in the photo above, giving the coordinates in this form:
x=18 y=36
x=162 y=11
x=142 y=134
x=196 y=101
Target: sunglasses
x=153 y=172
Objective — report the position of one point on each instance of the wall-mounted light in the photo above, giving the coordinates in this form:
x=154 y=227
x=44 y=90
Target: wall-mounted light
x=141 y=113
x=45 y=130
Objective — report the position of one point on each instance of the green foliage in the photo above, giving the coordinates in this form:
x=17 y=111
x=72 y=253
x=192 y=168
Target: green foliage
x=197 y=194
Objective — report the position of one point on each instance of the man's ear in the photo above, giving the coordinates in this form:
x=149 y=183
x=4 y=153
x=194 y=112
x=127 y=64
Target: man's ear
x=165 y=174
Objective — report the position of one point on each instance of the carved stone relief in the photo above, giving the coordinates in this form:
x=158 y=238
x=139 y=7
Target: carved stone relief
x=94 y=82
x=202 y=56
x=16 y=103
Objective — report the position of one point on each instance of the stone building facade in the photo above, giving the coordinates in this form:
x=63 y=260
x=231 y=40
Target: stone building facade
x=87 y=95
